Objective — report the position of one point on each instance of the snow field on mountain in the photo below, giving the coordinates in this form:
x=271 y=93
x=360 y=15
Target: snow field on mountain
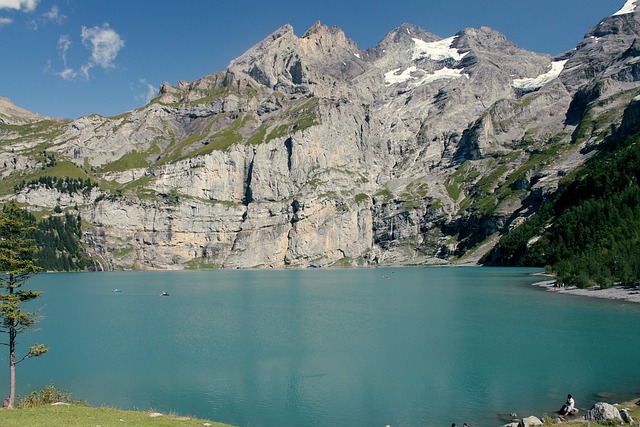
x=438 y=51
x=541 y=80
x=629 y=7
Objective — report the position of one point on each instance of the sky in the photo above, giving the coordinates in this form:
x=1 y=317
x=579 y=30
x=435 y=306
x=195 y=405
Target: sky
x=70 y=58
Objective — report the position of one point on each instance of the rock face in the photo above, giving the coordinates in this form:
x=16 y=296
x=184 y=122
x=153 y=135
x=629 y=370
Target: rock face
x=308 y=151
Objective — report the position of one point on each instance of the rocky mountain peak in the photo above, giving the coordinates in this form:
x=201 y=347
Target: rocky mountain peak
x=483 y=38
x=325 y=38
x=625 y=22
x=629 y=8
x=400 y=39
x=607 y=49
x=12 y=114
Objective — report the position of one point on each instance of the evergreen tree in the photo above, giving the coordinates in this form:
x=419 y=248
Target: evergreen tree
x=17 y=264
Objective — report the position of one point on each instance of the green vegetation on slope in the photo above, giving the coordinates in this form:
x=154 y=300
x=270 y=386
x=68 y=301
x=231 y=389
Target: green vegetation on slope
x=589 y=233
x=58 y=238
x=58 y=241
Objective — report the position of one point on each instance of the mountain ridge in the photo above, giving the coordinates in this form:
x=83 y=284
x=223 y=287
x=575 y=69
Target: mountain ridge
x=307 y=151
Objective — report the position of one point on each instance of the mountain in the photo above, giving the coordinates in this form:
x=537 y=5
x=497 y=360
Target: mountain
x=10 y=114
x=307 y=151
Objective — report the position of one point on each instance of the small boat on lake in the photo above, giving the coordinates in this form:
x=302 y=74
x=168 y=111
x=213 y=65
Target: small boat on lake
x=164 y=294
x=116 y=290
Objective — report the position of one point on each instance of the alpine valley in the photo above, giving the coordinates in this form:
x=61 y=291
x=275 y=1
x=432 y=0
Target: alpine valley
x=308 y=151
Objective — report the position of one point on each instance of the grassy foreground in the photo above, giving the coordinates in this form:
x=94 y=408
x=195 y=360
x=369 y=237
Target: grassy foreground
x=84 y=416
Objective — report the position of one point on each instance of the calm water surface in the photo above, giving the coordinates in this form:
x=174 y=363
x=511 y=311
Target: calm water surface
x=369 y=347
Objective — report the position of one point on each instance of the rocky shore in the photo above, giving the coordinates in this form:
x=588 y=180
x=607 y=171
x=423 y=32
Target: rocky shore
x=614 y=292
x=600 y=412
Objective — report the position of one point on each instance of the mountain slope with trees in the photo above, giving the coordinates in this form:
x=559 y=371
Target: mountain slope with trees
x=588 y=233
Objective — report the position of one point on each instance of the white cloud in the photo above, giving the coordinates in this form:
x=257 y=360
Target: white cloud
x=54 y=15
x=104 y=44
x=67 y=74
x=150 y=91
x=64 y=43
x=5 y=21
x=24 y=5
x=85 y=70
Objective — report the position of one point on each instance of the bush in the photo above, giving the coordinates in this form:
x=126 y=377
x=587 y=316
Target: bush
x=46 y=396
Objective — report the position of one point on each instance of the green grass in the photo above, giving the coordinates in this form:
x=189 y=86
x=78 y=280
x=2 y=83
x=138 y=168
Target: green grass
x=200 y=264
x=62 y=169
x=84 y=416
x=44 y=130
x=296 y=118
x=385 y=194
x=131 y=160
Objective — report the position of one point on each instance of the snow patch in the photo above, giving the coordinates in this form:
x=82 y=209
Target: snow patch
x=529 y=84
x=437 y=51
x=629 y=7
x=418 y=76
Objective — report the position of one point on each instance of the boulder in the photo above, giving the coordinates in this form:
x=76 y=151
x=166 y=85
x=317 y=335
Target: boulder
x=530 y=421
x=603 y=411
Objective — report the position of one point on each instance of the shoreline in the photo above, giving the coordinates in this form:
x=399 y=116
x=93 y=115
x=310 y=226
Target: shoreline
x=612 y=293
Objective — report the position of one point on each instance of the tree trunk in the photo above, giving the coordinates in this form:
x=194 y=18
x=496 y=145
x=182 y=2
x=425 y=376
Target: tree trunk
x=12 y=368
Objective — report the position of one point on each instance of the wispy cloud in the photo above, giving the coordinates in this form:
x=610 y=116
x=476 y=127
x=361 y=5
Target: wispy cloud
x=64 y=43
x=54 y=15
x=5 y=21
x=104 y=44
x=23 y=5
x=149 y=91
x=67 y=74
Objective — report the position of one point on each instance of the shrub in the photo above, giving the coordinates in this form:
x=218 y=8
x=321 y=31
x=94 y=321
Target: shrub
x=46 y=396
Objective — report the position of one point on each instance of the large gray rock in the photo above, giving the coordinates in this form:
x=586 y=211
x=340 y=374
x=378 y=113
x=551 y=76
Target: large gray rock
x=603 y=411
x=530 y=421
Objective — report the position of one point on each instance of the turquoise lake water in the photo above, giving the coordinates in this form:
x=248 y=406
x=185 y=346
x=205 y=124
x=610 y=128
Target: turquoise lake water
x=362 y=347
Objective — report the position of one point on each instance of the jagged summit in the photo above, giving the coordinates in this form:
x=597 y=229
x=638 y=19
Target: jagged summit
x=326 y=38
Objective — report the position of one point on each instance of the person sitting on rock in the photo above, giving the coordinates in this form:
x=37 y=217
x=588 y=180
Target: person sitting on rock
x=569 y=407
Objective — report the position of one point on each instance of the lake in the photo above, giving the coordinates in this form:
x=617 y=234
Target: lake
x=315 y=347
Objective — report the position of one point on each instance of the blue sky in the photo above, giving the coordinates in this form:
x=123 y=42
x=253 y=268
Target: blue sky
x=68 y=58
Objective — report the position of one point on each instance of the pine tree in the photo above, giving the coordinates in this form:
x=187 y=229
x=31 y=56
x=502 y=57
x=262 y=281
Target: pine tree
x=17 y=264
